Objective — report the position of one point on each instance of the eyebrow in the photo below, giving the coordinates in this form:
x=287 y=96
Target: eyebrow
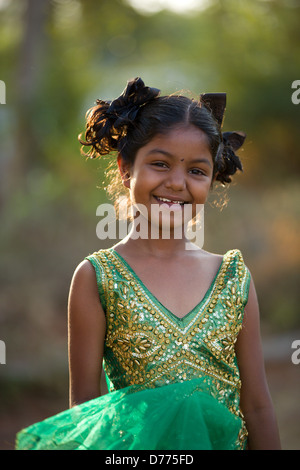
x=168 y=154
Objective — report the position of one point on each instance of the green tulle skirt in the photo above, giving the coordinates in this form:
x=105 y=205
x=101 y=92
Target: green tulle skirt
x=180 y=416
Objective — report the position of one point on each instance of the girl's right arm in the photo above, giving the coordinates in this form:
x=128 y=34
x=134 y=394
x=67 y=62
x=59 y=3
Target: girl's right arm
x=86 y=333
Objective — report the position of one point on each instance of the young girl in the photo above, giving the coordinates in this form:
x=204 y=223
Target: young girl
x=176 y=326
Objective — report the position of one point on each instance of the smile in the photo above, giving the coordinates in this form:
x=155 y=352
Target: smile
x=169 y=201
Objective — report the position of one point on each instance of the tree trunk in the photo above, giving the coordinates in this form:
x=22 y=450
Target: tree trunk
x=28 y=72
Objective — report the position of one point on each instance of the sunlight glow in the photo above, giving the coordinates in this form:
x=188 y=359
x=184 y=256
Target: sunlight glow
x=177 y=6
x=4 y=4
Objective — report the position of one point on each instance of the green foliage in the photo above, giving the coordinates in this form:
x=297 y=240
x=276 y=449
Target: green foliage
x=84 y=49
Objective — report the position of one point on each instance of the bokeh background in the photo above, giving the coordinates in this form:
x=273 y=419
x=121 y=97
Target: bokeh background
x=57 y=57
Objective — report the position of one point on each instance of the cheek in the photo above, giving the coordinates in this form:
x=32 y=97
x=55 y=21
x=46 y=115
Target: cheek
x=142 y=180
x=138 y=188
x=202 y=189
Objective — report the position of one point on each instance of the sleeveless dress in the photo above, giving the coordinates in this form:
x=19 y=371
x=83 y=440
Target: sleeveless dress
x=174 y=383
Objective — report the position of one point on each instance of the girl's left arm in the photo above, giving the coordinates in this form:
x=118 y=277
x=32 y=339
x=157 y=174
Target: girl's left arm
x=256 y=403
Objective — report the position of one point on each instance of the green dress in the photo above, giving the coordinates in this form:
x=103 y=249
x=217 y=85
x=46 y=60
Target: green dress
x=174 y=383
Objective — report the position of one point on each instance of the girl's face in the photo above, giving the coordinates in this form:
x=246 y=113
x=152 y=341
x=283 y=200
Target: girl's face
x=170 y=171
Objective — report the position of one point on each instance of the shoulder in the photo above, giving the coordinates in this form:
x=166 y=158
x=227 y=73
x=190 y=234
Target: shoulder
x=96 y=261
x=234 y=260
x=232 y=256
x=103 y=253
x=208 y=256
x=84 y=294
x=91 y=275
x=86 y=274
x=84 y=280
x=235 y=274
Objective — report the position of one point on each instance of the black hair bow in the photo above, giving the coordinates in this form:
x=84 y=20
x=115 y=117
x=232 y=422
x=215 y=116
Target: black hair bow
x=226 y=159
x=124 y=109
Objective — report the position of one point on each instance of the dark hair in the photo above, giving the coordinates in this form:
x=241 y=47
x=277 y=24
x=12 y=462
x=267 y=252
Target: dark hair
x=135 y=117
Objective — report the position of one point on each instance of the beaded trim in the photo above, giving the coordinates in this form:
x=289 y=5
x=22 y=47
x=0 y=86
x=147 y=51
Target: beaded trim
x=147 y=346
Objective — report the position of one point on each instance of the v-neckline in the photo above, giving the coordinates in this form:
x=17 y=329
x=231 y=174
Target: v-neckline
x=157 y=301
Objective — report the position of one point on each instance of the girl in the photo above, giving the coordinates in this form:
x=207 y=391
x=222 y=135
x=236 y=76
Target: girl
x=177 y=327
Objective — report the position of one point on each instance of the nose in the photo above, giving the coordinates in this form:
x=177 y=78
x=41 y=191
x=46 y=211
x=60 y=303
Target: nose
x=176 y=179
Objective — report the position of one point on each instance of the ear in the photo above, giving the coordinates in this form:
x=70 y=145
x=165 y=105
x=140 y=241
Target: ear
x=124 y=170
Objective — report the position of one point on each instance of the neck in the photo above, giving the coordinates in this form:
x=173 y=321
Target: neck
x=157 y=246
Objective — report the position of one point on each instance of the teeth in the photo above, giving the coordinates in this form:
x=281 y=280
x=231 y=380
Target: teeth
x=169 y=200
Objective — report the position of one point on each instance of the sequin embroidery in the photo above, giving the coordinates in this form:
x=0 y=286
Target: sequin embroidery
x=148 y=346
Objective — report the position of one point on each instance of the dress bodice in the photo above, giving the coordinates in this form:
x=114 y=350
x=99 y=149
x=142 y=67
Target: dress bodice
x=147 y=346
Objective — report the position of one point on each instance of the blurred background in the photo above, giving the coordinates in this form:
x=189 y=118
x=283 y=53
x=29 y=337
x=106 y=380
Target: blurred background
x=57 y=57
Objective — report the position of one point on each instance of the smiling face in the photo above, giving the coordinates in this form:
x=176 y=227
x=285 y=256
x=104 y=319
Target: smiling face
x=172 y=170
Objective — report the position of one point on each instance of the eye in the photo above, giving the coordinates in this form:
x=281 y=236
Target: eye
x=160 y=164
x=197 y=171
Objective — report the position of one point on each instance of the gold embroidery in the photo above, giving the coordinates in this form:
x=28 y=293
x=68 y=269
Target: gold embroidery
x=147 y=346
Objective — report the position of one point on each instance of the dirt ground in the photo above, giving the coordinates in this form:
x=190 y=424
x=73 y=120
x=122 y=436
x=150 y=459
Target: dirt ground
x=284 y=383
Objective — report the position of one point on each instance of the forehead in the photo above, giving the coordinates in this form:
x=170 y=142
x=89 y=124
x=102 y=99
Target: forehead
x=180 y=141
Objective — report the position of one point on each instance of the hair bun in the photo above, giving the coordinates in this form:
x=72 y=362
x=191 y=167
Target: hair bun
x=234 y=140
x=227 y=162
x=123 y=110
x=107 y=122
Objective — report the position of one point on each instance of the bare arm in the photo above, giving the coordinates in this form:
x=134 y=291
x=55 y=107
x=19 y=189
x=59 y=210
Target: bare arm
x=256 y=403
x=86 y=332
